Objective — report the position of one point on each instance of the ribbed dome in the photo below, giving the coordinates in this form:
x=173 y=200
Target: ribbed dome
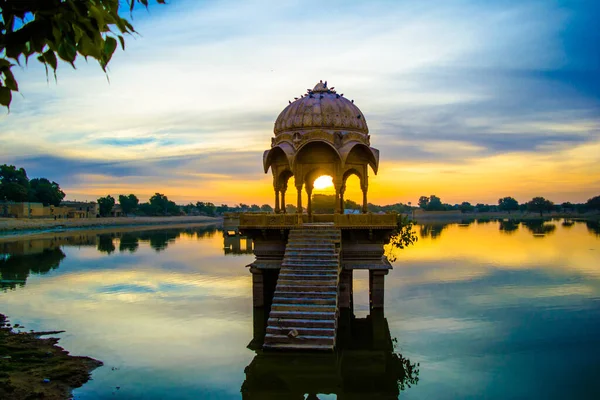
x=321 y=108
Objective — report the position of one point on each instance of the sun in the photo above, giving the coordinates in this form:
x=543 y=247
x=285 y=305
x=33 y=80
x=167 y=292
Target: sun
x=323 y=182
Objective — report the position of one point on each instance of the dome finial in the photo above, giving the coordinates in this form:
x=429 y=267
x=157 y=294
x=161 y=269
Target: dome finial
x=322 y=87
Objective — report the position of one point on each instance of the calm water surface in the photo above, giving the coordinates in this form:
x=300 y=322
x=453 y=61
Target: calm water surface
x=491 y=310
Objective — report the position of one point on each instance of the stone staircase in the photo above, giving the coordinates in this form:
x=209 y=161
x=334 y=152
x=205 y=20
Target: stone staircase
x=304 y=310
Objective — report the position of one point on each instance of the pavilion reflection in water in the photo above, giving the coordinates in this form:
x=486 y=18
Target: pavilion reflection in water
x=235 y=243
x=365 y=364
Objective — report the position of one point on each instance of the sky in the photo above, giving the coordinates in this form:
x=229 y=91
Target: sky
x=467 y=100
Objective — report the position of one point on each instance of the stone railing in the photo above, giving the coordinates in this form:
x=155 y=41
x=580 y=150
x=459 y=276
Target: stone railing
x=344 y=221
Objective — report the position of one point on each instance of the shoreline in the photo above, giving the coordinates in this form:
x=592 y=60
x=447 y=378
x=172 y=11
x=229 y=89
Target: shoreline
x=36 y=367
x=13 y=229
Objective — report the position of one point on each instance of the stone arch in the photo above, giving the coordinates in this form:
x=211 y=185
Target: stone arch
x=316 y=152
x=357 y=153
x=349 y=172
x=282 y=153
x=283 y=177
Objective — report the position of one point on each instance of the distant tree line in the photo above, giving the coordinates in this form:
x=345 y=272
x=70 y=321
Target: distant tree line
x=536 y=204
x=160 y=205
x=16 y=186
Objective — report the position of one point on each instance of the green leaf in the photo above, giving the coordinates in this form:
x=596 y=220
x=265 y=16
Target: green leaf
x=122 y=42
x=67 y=52
x=110 y=45
x=87 y=48
x=97 y=14
x=5 y=96
x=9 y=80
x=50 y=58
x=4 y=63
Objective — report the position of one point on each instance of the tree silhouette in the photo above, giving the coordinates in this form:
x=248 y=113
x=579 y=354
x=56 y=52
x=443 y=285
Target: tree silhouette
x=43 y=191
x=105 y=205
x=128 y=203
x=540 y=204
x=508 y=204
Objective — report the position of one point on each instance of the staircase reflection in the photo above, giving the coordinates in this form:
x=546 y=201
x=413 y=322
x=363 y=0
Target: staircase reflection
x=364 y=366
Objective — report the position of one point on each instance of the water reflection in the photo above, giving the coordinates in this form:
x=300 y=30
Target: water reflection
x=432 y=230
x=509 y=226
x=538 y=227
x=481 y=310
x=20 y=258
x=15 y=268
x=234 y=243
x=365 y=366
x=593 y=227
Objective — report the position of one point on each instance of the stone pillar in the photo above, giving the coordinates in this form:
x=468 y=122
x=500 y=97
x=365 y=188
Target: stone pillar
x=345 y=299
x=376 y=288
x=258 y=287
x=299 y=205
x=337 y=200
x=283 y=210
x=309 y=204
x=342 y=190
x=364 y=206
x=277 y=201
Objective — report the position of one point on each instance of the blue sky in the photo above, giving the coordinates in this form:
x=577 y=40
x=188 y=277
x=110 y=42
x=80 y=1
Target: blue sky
x=465 y=99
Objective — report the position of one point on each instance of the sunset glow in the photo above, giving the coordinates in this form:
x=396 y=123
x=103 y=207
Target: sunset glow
x=323 y=182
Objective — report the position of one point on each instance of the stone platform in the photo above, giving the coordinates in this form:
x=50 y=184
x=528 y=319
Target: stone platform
x=302 y=275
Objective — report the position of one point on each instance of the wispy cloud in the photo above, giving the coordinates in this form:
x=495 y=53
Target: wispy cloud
x=191 y=103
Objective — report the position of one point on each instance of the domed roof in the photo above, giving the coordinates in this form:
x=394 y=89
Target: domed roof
x=321 y=108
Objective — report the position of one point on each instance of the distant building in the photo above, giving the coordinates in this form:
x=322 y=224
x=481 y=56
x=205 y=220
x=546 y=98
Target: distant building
x=67 y=209
x=81 y=209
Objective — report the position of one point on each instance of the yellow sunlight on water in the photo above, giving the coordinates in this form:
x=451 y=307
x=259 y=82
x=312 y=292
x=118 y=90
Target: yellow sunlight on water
x=323 y=182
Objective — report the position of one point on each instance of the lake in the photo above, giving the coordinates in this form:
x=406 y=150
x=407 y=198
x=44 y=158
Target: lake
x=488 y=309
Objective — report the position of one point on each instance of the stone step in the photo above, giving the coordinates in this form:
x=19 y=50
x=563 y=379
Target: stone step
x=310 y=255
x=271 y=338
x=304 y=307
x=299 y=288
x=301 y=323
x=302 y=262
x=314 y=239
x=284 y=330
x=319 y=244
x=308 y=277
x=307 y=294
x=314 y=246
x=316 y=252
x=311 y=240
x=327 y=315
x=315 y=282
x=298 y=347
x=314 y=300
x=310 y=271
x=309 y=264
